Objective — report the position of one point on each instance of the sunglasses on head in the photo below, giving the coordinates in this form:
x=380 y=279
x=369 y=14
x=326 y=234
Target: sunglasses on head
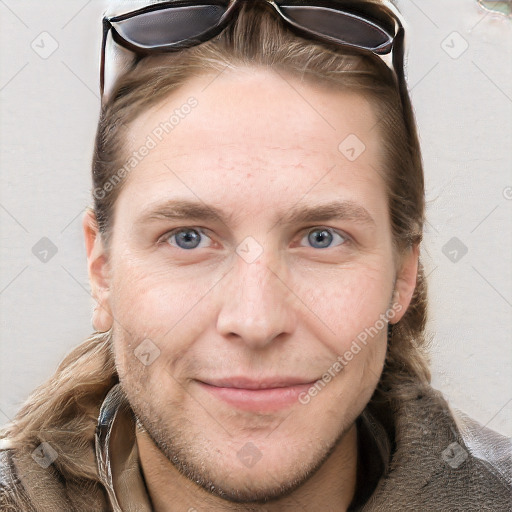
x=174 y=25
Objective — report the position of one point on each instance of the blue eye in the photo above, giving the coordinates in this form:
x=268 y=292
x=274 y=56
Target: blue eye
x=190 y=238
x=187 y=238
x=321 y=238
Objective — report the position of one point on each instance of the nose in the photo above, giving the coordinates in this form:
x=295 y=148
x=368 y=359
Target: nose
x=257 y=305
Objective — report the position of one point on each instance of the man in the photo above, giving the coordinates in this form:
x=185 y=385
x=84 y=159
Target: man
x=260 y=302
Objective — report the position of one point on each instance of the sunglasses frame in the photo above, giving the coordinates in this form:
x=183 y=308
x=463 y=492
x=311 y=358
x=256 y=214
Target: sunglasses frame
x=395 y=46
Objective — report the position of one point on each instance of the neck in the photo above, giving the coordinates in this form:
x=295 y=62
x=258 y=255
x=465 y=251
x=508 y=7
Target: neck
x=169 y=490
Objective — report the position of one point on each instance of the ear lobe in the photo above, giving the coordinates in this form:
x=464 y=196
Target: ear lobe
x=406 y=281
x=98 y=268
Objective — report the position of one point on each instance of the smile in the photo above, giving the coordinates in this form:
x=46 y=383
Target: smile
x=257 y=396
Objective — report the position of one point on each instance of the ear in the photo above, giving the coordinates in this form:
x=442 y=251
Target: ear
x=405 y=283
x=97 y=265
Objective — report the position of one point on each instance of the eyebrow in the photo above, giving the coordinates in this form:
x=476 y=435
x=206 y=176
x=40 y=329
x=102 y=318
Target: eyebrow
x=180 y=209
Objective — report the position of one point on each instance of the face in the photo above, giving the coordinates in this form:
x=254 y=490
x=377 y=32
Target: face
x=250 y=250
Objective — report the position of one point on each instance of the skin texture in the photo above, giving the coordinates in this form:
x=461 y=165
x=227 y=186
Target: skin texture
x=254 y=147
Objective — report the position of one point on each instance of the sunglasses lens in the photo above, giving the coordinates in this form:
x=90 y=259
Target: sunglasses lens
x=167 y=27
x=343 y=27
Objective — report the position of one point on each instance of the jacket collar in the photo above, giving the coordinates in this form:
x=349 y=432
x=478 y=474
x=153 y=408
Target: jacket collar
x=424 y=461
x=117 y=453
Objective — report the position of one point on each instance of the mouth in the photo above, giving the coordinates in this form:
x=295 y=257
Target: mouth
x=262 y=395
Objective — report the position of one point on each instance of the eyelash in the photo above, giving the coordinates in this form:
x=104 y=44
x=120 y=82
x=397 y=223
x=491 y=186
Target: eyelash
x=165 y=238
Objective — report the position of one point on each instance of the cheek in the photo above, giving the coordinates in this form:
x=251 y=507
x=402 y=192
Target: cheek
x=158 y=305
x=143 y=293
x=346 y=303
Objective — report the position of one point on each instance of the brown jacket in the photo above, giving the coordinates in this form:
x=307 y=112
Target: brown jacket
x=432 y=460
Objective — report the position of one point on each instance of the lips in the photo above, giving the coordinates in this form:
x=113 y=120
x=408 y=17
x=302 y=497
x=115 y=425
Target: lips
x=261 y=395
x=267 y=383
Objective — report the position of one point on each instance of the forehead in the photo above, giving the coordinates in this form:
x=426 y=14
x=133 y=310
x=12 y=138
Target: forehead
x=256 y=135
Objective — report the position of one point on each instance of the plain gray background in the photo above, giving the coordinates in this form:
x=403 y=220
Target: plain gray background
x=461 y=81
